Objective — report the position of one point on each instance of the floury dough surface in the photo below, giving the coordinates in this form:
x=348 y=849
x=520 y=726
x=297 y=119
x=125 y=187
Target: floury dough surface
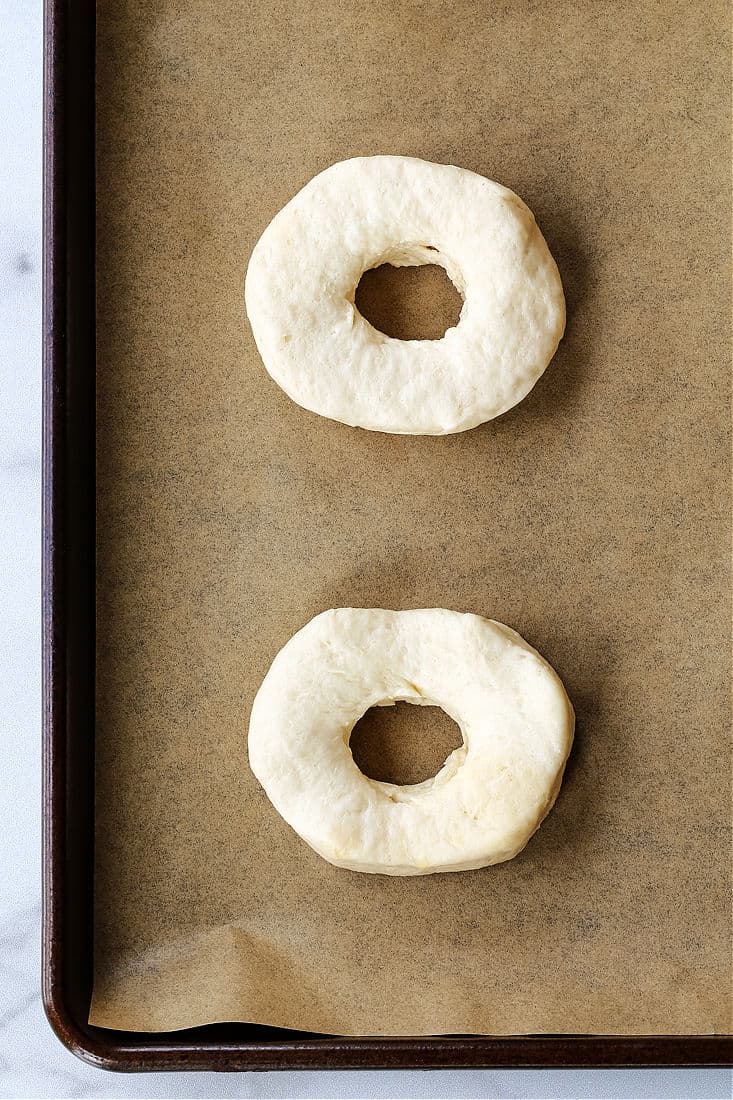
x=367 y=211
x=492 y=792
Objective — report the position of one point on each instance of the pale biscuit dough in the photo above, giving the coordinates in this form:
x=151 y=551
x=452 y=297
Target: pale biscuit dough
x=361 y=213
x=492 y=792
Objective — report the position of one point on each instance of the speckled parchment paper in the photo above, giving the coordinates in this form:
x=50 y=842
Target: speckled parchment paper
x=594 y=518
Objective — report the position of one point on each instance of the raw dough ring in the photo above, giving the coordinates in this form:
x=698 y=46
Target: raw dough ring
x=492 y=792
x=361 y=213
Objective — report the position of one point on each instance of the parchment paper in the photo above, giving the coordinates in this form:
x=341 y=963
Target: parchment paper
x=594 y=518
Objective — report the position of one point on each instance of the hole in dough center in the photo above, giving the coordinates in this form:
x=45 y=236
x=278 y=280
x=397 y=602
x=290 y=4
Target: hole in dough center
x=409 y=303
x=403 y=744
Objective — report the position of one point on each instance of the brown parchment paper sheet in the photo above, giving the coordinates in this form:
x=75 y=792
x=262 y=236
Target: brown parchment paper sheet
x=594 y=518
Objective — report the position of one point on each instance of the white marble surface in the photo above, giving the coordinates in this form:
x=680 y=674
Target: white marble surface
x=32 y=1062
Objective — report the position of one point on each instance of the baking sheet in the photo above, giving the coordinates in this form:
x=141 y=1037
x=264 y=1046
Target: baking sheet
x=594 y=518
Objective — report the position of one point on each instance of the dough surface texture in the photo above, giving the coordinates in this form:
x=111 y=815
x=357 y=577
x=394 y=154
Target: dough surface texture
x=492 y=792
x=361 y=213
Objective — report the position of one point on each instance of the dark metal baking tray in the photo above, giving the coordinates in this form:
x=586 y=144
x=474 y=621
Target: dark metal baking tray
x=69 y=671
